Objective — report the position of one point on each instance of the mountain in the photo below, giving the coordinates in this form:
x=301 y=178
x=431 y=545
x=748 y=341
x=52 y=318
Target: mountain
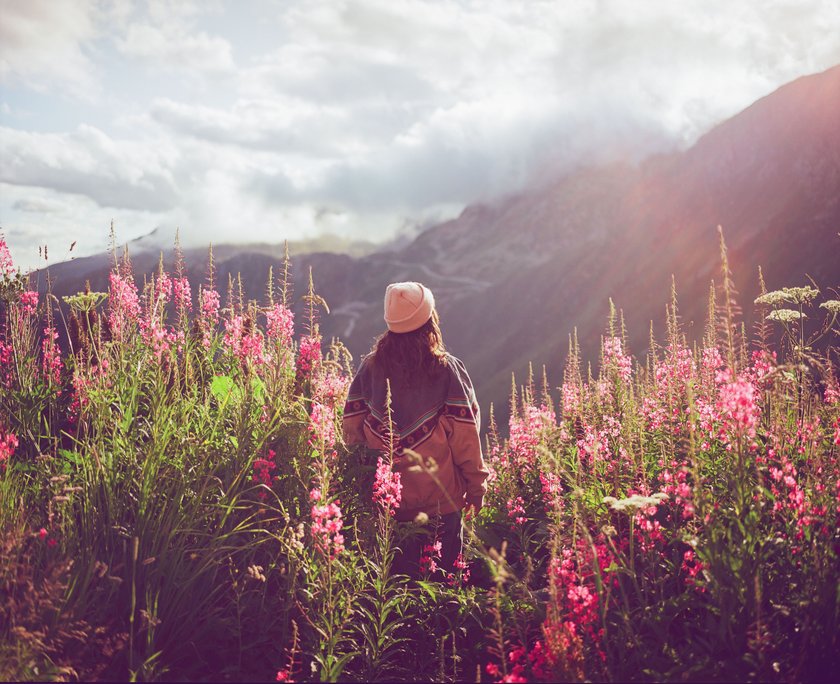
x=513 y=279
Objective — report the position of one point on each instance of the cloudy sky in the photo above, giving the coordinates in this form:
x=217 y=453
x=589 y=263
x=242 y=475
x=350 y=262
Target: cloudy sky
x=271 y=119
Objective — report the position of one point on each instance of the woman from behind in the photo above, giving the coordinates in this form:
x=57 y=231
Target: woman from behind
x=434 y=419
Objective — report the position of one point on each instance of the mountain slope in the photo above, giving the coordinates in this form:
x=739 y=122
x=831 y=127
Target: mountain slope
x=513 y=279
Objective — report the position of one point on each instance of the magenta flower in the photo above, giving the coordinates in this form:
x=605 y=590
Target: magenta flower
x=123 y=303
x=615 y=358
x=326 y=529
x=29 y=302
x=51 y=364
x=737 y=404
x=387 y=488
x=322 y=426
x=7 y=264
x=8 y=444
x=309 y=354
x=280 y=324
x=182 y=294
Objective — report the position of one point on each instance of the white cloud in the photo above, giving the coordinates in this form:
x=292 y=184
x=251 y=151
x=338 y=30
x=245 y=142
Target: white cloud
x=88 y=162
x=169 y=47
x=42 y=46
x=366 y=115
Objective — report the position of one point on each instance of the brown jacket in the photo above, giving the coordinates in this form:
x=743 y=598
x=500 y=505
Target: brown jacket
x=436 y=417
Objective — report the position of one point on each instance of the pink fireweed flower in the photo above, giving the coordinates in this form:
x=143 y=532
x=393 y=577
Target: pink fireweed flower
x=262 y=471
x=571 y=400
x=615 y=359
x=8 y=445
x=182 y=294
x=7 y=264
x=6 y=362
x=322 y=426
x=163 y=288
x=244 y=344
x=208 y=301
x=737 y=404
x=387 y=488
x=29 y=302
x=309 y=354
x=158 y=339
x=123 y=303
x=330 y=387
x=430 y=556
x=326 y=529
x=516 y=509
x=51 y=364
x=280 y=324
x=526 y=431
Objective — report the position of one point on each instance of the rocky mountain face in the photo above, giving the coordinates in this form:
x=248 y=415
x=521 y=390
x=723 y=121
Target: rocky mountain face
x=513 y=280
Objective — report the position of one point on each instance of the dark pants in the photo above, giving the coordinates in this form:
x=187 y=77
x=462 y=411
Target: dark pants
x=447 y=529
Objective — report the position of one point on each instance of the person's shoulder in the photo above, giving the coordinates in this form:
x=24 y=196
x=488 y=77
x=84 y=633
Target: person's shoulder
x=454 y=363
x=457 y=369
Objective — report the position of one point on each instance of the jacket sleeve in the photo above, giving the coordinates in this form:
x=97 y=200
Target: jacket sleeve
x=355 y=411
x=464 y=423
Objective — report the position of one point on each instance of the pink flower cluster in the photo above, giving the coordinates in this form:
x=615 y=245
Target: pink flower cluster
x=280 y=324
x=262 y=471
x=7 y=355
x=29 y=302
x=208 y=301
x=738 y=406
x=182 y=293
x=430 y=556
x=616 y=360
x=526 y=431
x=246 y=345
x=326 y=526
x=387 y=488
x=51 y=364
x=322 y=426
x=516 y=510
x=8 y=444
x=7 y=264
x=123 y=303
x=309 y=354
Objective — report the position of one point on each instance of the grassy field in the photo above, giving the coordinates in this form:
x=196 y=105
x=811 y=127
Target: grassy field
x=176 y=502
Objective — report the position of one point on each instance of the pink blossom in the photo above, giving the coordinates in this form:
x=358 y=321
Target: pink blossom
x=322 y=426
x=430 y=556
x=309 y=353
x=182 y=294
x=8 y=444
x=51 y=364
x=262 y=471
x=326 y=529
x=7 y=264
x=123 y=303
x=29 y=302
x=245 y=344
x=616 y=360
x=387 y=489
x=737 y=404
x=209 y=301
x=280 y=324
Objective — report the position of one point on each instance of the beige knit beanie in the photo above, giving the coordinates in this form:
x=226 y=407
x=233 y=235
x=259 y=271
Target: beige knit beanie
x=407 y=306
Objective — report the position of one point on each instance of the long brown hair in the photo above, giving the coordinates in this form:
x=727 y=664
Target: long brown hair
x=407 y=355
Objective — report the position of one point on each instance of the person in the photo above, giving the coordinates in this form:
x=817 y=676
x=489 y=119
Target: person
x=435 y=423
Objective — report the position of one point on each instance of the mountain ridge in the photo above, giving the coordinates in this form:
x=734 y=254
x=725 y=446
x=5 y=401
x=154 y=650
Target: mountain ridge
x=515 y=278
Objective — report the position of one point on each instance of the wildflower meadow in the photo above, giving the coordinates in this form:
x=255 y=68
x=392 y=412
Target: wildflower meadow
x=176 y=501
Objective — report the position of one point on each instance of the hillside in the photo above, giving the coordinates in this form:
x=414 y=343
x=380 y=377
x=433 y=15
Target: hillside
x=513 y=279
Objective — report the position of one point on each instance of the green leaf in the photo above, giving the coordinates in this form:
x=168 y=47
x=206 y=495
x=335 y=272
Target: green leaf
x=223 y=387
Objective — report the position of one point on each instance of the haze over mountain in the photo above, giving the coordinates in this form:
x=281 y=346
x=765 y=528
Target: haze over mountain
x=514 y=278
